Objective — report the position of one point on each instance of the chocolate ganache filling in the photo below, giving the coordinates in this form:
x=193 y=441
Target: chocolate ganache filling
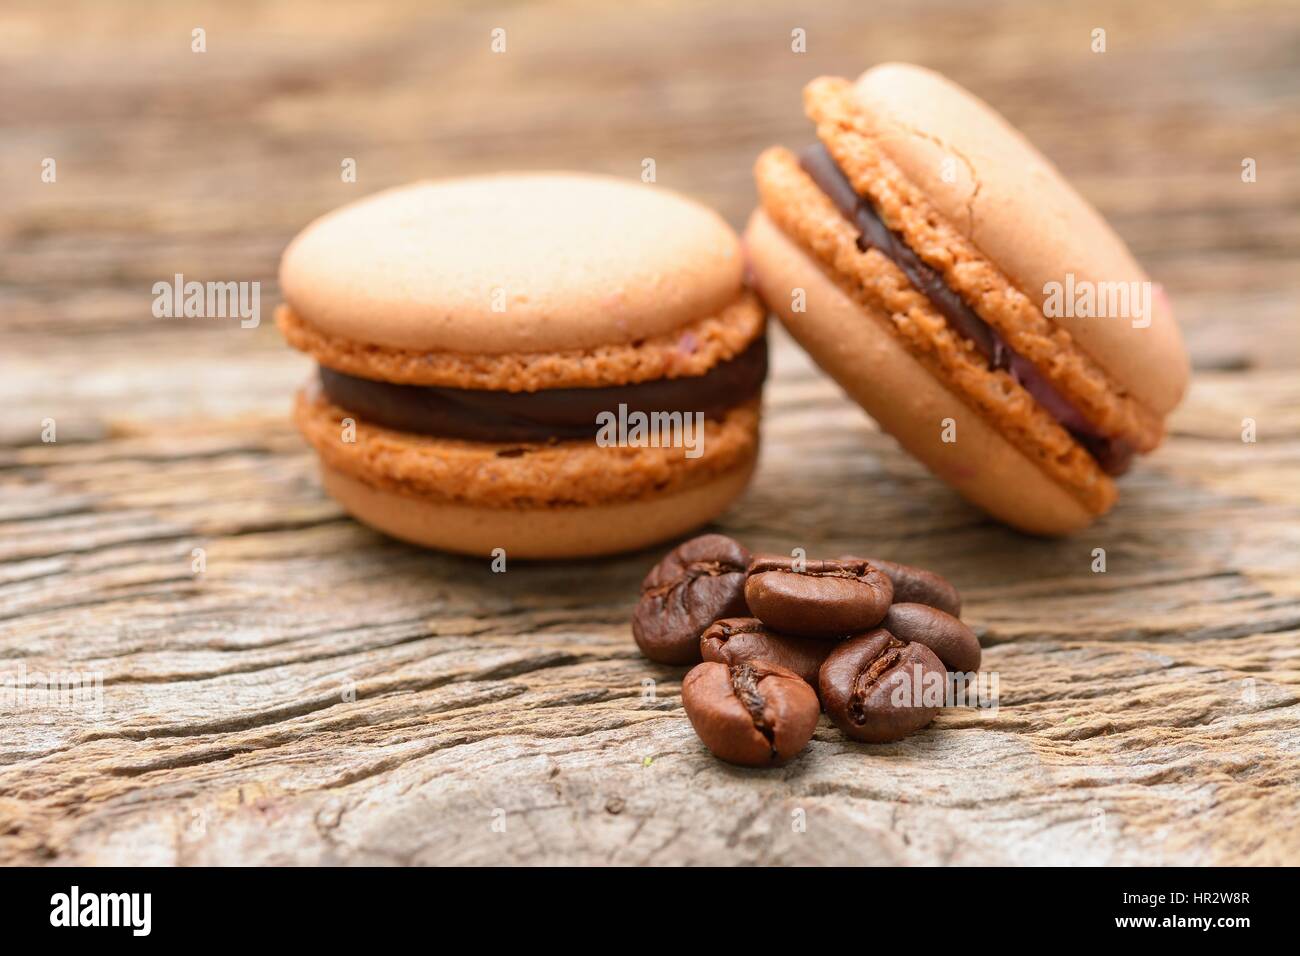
x=556 y=413
x=1113 y=455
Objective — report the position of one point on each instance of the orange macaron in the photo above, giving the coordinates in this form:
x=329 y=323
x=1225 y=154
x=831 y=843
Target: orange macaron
x=478 y=338
x=935 y=264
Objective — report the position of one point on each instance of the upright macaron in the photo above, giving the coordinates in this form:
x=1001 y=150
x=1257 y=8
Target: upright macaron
x=489 y=345
x=935 y=264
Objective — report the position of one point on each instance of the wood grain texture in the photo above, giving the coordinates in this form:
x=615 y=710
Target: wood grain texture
x=322 y=694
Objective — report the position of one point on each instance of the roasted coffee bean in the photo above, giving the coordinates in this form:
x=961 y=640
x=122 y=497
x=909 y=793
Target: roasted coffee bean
x=699 y=582
x=739 y=639
x=917 y=585
x=825 y=599
x=859 y=679
x=952 y=641
x=755 y=713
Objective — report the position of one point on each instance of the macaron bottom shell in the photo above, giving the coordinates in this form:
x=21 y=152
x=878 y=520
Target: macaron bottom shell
x=565 y=499
x=857 y=350
x=547 y=533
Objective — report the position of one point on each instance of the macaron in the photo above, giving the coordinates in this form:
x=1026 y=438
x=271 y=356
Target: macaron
x=946 y=275
x=554 y=364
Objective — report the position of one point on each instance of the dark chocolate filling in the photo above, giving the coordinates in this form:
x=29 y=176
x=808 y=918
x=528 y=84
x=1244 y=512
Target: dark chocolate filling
x=1113 y=455
x=555 y=413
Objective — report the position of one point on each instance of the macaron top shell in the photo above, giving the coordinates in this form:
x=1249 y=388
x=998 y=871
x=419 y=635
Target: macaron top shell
x=512 y=263
x=998 y=191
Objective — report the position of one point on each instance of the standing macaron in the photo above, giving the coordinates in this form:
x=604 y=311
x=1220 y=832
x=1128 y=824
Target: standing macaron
x=952 y=282
x=560 y=365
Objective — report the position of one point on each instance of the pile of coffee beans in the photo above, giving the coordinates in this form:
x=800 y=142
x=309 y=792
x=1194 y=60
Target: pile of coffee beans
x=776 y=640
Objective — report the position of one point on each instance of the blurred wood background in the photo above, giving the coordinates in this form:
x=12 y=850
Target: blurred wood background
x=321 y=694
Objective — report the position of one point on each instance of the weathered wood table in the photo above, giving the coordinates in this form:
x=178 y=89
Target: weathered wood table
x=315 y=693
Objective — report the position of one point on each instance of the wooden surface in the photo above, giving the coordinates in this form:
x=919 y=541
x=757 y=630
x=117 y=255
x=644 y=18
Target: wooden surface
x=322 y=694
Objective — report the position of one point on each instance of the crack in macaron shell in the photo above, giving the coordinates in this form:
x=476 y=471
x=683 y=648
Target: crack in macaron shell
x=807 y=218
x=865 y=140
x=1112 y=453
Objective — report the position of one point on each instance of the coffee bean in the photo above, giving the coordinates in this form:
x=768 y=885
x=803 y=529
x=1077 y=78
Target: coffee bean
x=952 y=641
x=755 y=713
x=739 y=639
x=859 y=679
x=699 y=582
x=825 y=599
x=917 y=585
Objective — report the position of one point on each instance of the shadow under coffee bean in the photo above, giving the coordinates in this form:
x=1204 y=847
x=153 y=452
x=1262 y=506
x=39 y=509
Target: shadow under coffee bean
x=697 y=583
x=820 y=599
x=755 y=713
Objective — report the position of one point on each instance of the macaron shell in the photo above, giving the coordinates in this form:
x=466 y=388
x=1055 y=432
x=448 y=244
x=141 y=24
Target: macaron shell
x=517 y=474
x=907 y=401
x=512 y=263
x=577 y=532
x=1021 y=213
x=795 y=205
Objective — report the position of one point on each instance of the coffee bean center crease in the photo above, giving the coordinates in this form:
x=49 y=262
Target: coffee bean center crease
x=744 y=681
x=870 y=676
